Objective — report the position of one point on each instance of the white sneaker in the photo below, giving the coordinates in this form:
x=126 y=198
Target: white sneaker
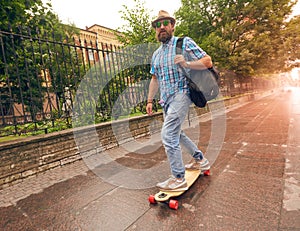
x=196 y=164
x=173 y=184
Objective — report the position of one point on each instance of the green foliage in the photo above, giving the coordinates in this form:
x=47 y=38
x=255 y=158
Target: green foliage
x=248 y=37
x=37 y=128
x=26 y=62
x=291 y=43
x=196 y=19
x=138 y=30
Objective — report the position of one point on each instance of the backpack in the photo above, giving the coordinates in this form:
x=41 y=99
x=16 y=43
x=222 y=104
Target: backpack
x=203 y=84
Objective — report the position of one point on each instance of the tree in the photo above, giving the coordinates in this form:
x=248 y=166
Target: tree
x=138 y=30
x=27 y=28
x=291 y=43
x=243 y=36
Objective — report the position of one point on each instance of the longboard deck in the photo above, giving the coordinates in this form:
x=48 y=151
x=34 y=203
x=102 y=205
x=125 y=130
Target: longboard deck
x=165 y=196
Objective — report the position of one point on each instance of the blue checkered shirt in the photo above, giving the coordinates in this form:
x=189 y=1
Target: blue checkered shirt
x=170 y=76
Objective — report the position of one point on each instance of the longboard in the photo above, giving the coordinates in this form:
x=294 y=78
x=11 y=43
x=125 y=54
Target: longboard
x=165 y=196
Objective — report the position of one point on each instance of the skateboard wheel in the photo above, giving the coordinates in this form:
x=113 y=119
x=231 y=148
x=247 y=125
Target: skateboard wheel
x=206 y=173
x=173 y=204
x=152 y=199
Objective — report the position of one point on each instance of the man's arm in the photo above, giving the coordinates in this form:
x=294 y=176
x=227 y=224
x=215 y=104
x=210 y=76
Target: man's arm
x=199 y=64
x=153 y=88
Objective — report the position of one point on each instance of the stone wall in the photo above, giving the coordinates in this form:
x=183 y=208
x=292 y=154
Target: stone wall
x=29 y=156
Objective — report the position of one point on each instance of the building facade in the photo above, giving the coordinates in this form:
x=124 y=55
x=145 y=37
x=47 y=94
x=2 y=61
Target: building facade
x=96 y=38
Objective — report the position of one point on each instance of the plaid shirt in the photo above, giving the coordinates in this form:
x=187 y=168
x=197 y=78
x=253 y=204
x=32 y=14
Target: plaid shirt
x=170 y=76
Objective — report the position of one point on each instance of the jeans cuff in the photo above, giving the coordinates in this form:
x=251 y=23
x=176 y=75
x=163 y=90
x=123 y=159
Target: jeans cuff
x=198 y=155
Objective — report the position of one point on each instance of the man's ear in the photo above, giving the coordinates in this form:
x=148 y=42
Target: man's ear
x=173 y=27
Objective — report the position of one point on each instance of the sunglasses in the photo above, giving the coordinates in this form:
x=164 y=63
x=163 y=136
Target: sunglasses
x=165 y=23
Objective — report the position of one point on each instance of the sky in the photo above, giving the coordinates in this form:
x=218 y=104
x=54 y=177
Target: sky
x=106 y=13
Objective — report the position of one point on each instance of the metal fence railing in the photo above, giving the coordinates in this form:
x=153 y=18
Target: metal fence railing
x=41 y=77
x=42 y=80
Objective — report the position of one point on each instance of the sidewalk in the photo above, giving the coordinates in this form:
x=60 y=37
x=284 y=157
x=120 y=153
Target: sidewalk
x=36 y=184
x=255 y=183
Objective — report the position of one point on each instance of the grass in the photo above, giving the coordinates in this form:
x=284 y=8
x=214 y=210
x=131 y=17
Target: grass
x=11 y=137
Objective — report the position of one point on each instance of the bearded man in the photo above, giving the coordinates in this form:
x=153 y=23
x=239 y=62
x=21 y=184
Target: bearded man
x=174 y=97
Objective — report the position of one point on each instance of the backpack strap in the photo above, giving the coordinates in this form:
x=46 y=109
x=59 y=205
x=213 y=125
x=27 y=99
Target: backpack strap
x=179 y=44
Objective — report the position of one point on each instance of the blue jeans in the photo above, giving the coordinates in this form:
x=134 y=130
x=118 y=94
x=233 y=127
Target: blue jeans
x=175 y=111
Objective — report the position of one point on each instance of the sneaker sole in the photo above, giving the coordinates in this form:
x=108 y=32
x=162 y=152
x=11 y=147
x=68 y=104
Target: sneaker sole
x=174 y=190
x=197 y=169
x=205 y=169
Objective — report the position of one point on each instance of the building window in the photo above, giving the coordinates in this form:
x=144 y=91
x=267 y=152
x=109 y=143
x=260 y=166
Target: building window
x=91 y=55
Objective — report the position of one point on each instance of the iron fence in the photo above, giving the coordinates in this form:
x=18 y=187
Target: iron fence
x=40 y=79
x=43 y=79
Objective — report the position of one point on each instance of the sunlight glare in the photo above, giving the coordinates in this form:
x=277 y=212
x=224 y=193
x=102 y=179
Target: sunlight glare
x=295 y=74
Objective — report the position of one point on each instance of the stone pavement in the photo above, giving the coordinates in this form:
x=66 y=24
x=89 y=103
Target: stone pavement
x=255 y=183
x=36 y=184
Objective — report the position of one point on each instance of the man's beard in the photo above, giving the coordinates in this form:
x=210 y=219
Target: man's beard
x=164 y=37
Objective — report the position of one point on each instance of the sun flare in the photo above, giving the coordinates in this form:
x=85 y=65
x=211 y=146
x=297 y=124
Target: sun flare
x=295 y=74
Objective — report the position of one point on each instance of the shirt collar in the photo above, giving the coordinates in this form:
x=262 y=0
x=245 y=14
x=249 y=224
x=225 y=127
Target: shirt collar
x=169 y=43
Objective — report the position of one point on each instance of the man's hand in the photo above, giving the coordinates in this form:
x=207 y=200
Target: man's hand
x=199 y=64
x=179 y=59
x=153 y=88
x=149 y=108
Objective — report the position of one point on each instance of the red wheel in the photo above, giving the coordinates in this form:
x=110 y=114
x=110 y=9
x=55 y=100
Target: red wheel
x=206 y=172
x=152 y=199
x=173 y=204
